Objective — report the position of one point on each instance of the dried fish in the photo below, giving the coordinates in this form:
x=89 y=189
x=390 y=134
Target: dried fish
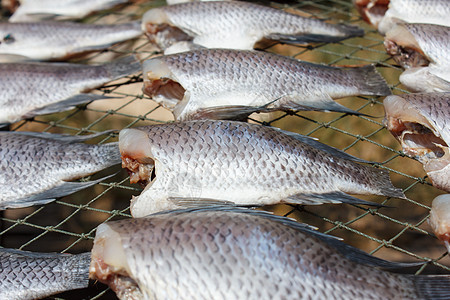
x=440 y=218
x=229 y=253
x=247 y=164
x=36 y=167
x=28 y=275
x=59 y=40
x=235 y=25
x=231 y=84
x=36 y=10
x=30 y=89
x=420 y=122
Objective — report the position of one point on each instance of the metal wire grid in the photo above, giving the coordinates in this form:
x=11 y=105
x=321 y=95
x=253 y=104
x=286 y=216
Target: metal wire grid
x=402 y=233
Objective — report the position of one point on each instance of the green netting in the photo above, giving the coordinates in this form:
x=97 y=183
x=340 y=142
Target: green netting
x=399 y=232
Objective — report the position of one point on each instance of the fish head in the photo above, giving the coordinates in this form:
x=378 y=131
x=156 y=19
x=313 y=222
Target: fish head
x=440 y=217
x=109 y=263
x=420 y=136
x=157 y=26
x=160 y=83
x=372 y=11
x=137 y=157
x=402 y=45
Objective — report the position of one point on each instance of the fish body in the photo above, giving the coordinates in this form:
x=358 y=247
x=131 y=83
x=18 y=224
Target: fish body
x=246 y=164
x=440 y=218
x=420 y=122
x=415 y=11
x=28 y=275
x=35 y=10
x=426 y=79
x=223 y=83
x=37 y=167
x=234 y=24
x=58 y=40
x=243 y=254
x=30 y=89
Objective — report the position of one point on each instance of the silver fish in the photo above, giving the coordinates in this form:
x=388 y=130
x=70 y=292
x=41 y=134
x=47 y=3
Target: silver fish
x=30 y=89
x=218 y=161
x=59 y=40
x=417 y=45
x=420 y=122
x=415 y=11
x=28 y=275
x=224 y=84
x=243 y=254
x=422 y=49
x=234 y=24
x=36 y=10
x=440 y=218
x=36 y=167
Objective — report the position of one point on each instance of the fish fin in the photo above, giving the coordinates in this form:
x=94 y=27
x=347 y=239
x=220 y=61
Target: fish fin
x=332 y=197
x=232 y=112
x=64 y=189
x=191 y=202
x=64 y=138
x=318 y=145
x=351 y=31
x=369 y=81
x=321 y=103
x=64 y=105
x=123 y=66
x=432 y=286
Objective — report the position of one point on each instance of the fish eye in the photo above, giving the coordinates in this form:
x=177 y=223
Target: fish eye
x=8 y=39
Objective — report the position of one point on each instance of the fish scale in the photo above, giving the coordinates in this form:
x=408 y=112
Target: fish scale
x=216 y=159
x=227 y=253
x=33 y=164
x=26 y=275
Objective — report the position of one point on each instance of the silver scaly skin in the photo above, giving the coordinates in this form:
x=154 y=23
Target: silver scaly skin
x=223 y=83
x=30 y=89
x=415 y=11
x=27 y=275
x=421 y=123
x=236 y=25
x=246 y=164
x=36 y=10
x=59 y=40
x=37 y=167
x=229 y=253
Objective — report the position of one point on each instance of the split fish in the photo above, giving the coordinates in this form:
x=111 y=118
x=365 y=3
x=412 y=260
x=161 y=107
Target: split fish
x=440 y=218
x=219 y=161
x=36 y=167
x=420 y=122
x=30 y=89
x=36 y=10
x=28 y=275
x=234 y=24
x=422 y=49
x=59 y=40
x=385 y=14
x=230 y=253
x=229 y=84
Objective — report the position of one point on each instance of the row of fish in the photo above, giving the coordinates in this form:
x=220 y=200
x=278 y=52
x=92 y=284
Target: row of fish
x=216 y=253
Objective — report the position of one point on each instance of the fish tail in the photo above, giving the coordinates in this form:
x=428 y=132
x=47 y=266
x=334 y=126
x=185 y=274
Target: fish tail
x=123 y=66
x=375 y=181
x=351 y=31
x=77 y=267
x=432 y=286
x=369 y=81
x=110 y=152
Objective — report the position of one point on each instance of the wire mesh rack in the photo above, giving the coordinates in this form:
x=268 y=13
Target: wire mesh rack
x=398 y=232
